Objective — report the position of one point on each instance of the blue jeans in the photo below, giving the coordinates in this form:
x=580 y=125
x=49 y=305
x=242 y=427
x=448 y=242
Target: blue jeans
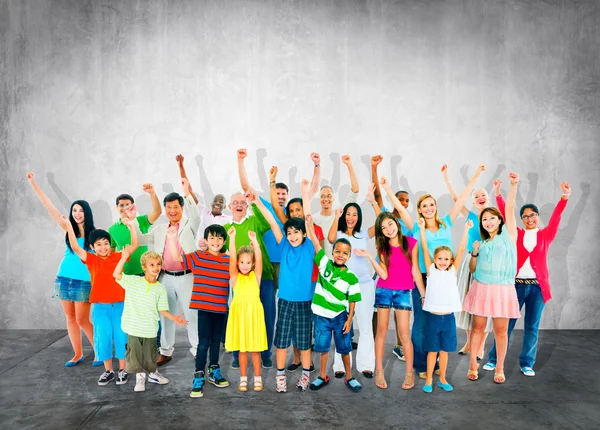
x=267 y=298
x=326 y=327
x=417 y=335
x=531 y=297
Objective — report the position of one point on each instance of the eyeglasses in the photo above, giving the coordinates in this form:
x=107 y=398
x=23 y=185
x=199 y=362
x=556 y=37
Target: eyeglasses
x=238 y=203
x=326 y=196
x=532 y=216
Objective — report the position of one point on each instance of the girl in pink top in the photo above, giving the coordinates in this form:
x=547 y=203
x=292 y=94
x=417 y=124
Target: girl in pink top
x=398 y=270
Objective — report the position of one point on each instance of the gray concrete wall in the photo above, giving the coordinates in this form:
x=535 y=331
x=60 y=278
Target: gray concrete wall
x=97 y=97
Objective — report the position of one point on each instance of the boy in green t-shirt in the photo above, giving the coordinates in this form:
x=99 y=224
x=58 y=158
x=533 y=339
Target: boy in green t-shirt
x=335 y=297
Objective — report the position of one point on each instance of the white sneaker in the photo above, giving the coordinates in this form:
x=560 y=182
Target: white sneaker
x=489 y=366
x=528 y=371
x=281 y=383
x=140 y=382
x=157 y=378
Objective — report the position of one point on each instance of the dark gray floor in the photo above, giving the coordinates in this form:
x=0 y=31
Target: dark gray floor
x=37 y=391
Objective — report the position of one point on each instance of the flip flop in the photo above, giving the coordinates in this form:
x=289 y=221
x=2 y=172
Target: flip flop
x=354 y=385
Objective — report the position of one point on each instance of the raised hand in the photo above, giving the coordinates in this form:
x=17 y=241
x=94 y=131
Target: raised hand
x=305 y=186
x=339 y=212
x=31 y=177
x=252 y=236
x=128 y=221
x=480 y=169
x=185 y=184
x=346 y=160
x=469 y=224
x=476 y=247
x=421 y=222
x=231 y=232
x=172 y=231
x=497 y=184
x=251 y=196
x=371 y=194
x=273 y=173
x=565 y=188
x=65 y=222
x=384 y=182
x=203 y=244
x=125 y=254
x=242 y=153
x=315 y=157
x=131 y=212
x=179 y=159
x=514 y=178
x=148 y=188
x=308 y=221
x=375 y=160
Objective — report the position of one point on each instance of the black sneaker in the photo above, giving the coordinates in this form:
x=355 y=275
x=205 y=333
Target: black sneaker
x=106 y=377
x=216 y=378
x=293 y=367
x=198 y=384
x=121 y=377
x=312 y=368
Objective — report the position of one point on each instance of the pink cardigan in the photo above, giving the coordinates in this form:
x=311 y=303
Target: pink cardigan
x=538 y=257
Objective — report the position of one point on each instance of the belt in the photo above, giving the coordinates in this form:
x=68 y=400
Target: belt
x=527 y=281
x=180 y=273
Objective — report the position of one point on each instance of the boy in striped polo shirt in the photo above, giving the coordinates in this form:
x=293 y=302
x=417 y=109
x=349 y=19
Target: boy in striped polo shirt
x=209 y=297
x=336 y=294
x=145 y=299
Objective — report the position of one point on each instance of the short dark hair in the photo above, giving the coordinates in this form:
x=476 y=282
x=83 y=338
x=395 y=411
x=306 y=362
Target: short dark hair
x=124 y=197
x=401 y=192
x=297 y=223
x=97 y=235
x=344 y=241
x=282 y=186
x=216 y=230
x=529 y=206
x=171 y=197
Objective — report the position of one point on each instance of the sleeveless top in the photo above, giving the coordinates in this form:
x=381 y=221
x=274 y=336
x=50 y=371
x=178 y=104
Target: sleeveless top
x=71 y=265
x=442 y=291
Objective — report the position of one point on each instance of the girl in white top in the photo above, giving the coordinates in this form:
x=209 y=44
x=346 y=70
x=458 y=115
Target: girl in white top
x=441 y=301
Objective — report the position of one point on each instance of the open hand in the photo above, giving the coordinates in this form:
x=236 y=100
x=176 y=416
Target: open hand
x=361 y=252
x=347 y=326
x=180 y=320
x=131 y=211
x=125 y=255
x=371 y=194
x=252 y=236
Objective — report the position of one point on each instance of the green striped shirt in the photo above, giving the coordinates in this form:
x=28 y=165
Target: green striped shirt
x=335 y=288
x=143 y=301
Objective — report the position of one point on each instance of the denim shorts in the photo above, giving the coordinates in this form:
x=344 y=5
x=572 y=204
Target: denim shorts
x=73 y=290
x=325 y=327
x=440 y=333
x=397 y=299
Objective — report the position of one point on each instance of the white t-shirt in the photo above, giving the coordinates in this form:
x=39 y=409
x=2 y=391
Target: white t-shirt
x=325 y=221
x=360 y=266
x=442 y=291
x=529 y=242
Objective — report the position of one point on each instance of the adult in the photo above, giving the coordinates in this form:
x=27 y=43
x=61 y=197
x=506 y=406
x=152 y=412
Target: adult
x=492 y=293
x=72 y=285
x=438 y=233
x=532 y=282
x=256 y=222
x=347 y=225
x=481 y=200
x=208 y=216
x=177 y=281
x=120 y=235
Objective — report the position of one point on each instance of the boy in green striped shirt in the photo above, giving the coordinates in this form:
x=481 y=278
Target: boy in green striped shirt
x=335 y=297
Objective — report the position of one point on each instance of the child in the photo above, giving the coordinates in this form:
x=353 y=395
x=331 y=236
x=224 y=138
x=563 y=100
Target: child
x=209 y=297
x=398 y=271
x=107 y=298
x=246 y=329
x=441 y=301
x=145 y=299
x=335 y=298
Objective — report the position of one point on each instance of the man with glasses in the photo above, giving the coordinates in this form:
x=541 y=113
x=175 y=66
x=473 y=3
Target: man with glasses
x=532 y=281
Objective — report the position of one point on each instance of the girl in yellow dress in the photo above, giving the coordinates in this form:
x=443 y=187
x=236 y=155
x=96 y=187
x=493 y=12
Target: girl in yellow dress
x=246 y=330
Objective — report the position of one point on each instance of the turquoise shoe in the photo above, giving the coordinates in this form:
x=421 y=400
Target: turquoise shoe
x=74 y=363
x=428 y=388
x=445 y=387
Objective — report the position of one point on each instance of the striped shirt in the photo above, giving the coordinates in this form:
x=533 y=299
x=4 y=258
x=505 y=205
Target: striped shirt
x=335 y=288
x=143 y=301
x=211 y=280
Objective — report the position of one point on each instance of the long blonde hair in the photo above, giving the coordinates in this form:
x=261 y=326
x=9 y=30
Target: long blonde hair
x=439 y=222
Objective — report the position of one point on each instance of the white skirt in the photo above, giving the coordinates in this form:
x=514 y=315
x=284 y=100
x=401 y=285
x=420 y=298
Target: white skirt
x=465 y=277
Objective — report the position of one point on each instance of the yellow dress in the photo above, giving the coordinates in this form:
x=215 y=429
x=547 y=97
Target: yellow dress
x=246 y=330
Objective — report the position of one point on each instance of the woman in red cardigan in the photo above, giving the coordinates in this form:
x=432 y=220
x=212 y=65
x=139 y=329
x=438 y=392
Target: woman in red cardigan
x=532 y=281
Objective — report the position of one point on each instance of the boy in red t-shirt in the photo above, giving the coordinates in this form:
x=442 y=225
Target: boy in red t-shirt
x=107 y=298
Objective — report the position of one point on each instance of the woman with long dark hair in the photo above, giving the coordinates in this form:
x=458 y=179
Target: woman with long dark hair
x=72 y=285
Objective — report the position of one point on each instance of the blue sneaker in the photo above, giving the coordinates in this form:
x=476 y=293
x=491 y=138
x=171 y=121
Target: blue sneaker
x=428 y=388
x=527 y=371
x=215 y=377
x=489 y=366
x=198 y=384
x=235 y=364
x=445 y=387
x=267 y=363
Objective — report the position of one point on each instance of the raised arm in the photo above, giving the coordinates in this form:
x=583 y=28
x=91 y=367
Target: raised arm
x=375 y=161
x=233 y=268
x=258 y=263
x=156 y=208
x=510 y=220
x=118 y=272
x=372 y=199
x=305 y=194
x=462 y=198
x=263 y=214
x=423 y=242
x=500 y=204
x=404 y=215
x=191 y=206
x=273 y=194
x=451 y=190
x=130 y=223
x=172 y=234
x=66 y=225
x=310 y=232
x=332 y=234
x=54 y=213
x=179 y=158
x=242 y=153
x=316 y=178
x=416 y=272
x=474 y=256
x=463 y=244
x=554 y=221
x=353 y=179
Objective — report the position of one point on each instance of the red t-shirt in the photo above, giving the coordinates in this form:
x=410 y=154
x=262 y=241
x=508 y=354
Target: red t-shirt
x=319 y=234
x=104 y=287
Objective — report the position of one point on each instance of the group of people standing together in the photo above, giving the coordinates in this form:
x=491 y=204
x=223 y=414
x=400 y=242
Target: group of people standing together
x=319 y=267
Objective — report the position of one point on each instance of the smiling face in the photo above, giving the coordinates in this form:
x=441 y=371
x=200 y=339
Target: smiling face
x=295 y=237
x=341 y=253
x=389 y=227
x=101 y=247
x=490 y=222
x=174 y=211
x=428 y=208
x=122 y=207
x=152 y=268
x=296 y=210
x=530 y=219
x=403 y=198
x=77 y=214
x=282 y=197
x=215 y=243
x=326 y=198
x=481 y=200
x=238 y=206
x=351 y=216
x=443 y=259
x=245 y=263
x=217 y=205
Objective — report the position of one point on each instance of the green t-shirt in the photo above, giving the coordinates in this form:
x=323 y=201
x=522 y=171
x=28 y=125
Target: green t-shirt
x=120 y=238
x=143 y=301
x=258 y=224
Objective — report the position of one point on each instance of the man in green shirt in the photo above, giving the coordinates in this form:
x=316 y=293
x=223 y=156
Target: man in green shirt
x=119 y=233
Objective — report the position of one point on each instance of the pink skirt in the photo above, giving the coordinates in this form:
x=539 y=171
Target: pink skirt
x=492 y=300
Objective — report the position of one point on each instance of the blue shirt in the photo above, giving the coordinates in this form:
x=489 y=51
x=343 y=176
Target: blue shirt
x=71 y=265
x=443 y=237
x=497 y=261
x=405 y=230
x=474 y=232
x=269 y=238
x=295 y=271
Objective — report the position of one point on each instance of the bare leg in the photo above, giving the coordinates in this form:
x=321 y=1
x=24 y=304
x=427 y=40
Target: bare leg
x=347 y=366
x=481 y=349
x=243 y=359
x=256 y=363
x=398 y=340
x=431 y=359
x=383 y=316
x=323 y=366
x=477 y=331
x=501 y=335
x=465 y=348
x=280 y=356
x=443 y=366
x=404 y=329
x=82 y=315
x=73 y=329
x=296 y=355
x=306 y=358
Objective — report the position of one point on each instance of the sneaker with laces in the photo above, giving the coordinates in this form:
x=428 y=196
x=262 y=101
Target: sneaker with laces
x=106 y=377
x=157 y=378
x=122 y=377
x=281 y=386
x=398 y=352
x=140 y=382
x=303 y=382
x=216 y=378
x=198 y=384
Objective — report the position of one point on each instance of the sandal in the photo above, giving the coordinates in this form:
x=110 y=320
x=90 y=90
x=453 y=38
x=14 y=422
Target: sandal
x=380 y=379
x=409 y=381
x=243 y=387
x=339 y=374
x=258 y=386
x=463 y=351
x=499 y=378
x=367 y=374
x=473 y=375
